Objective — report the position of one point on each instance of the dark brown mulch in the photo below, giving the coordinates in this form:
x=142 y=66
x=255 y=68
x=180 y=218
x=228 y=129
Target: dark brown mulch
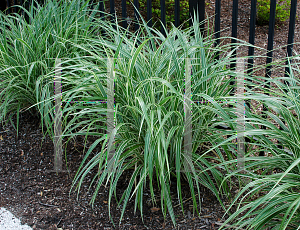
x=41 y=198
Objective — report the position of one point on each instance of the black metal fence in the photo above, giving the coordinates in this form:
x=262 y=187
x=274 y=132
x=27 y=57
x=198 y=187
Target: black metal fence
x=199 y=7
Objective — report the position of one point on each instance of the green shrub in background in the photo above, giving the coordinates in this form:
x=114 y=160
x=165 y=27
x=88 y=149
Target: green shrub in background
x=263 y=11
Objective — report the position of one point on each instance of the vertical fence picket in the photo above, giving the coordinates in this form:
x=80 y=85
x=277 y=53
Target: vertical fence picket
x=234 y=28
x=251 y=41
x=15 y=6
x=177 y=13
x=269 y=51
x=21 y=4
x=91 y=6
x=217 y=24
x=2 y=5
x=202 y=15
x=292 y=22
x=136 y=15
x=251 y=35
x=234 y=35
x=149 y=12
x=291 y=33
x=8 y=6
x=233 y=40
x=101 y=8
x=27 y=6
x=199 y=7
x=124 y=14
x=112 y=10
x=271 y=37
x=163 y=15
x=251 y=53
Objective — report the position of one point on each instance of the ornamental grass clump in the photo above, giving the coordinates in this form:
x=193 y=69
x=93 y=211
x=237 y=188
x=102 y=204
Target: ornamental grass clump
x=149 y=115
x=271 y=198
x=28 y=50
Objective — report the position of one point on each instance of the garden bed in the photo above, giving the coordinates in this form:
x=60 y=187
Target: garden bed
x=41 y=198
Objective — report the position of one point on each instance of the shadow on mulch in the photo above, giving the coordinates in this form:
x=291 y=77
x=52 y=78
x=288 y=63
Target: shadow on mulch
x=41 y=198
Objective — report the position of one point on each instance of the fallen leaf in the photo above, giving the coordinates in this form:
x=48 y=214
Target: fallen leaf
x=58 y=210
x=41 y=193
x=105 y=202
x=22 y=152
x=154 y=209
x=1 y=138
x=42 y=154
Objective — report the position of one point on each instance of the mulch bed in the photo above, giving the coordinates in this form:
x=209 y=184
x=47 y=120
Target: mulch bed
x=41 y=198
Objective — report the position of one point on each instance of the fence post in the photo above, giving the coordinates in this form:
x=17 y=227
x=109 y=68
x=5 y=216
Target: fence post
x=217 y=24
x=125 y=24
x=27 y=6
x=101 y=8
x=251 y=52
x=177 y=13
x=271 y=37
x=233 y=40
x=149 y=13
x=234 y=28
x=251 y=41
x=270 y=51
x=22 y=4
x=163 y=16
x=292 y=23
x=251 y=35
x=136 y=15
x=112 y=11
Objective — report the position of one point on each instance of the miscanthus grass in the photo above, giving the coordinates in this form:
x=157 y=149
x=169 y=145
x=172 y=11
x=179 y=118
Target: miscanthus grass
x=149 y=87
